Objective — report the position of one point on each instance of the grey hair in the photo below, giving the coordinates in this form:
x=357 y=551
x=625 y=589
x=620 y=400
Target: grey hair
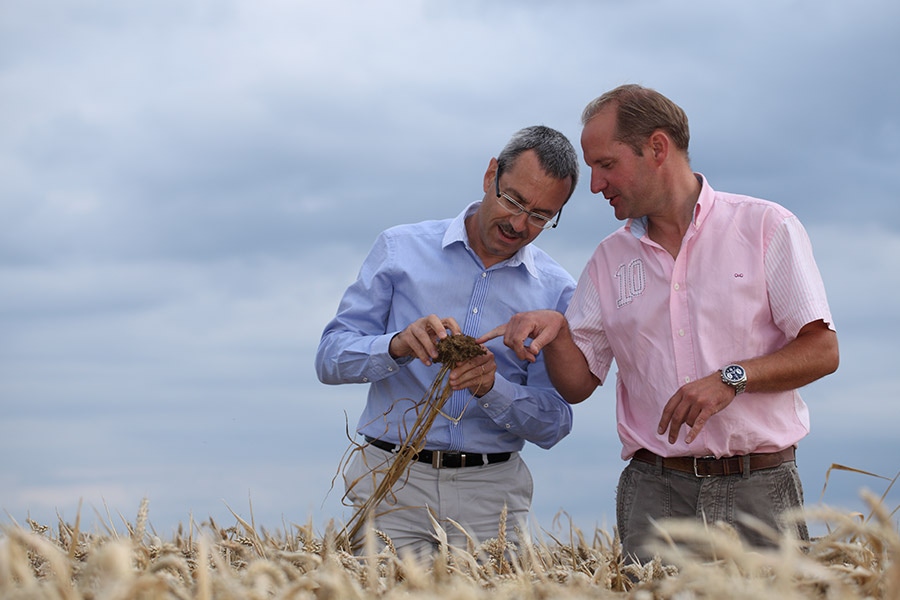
x=555 y=153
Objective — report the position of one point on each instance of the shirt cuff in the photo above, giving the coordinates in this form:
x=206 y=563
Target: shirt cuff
x=498 y=401
x=381 y=362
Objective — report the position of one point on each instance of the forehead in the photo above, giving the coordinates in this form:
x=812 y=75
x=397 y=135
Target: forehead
x=534 y=187
x=600 y=130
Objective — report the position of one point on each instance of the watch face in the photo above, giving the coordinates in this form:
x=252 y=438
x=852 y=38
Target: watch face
x=734 y=372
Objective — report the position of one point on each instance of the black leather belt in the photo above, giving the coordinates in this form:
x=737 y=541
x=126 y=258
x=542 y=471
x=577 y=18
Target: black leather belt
x=709 y=466
x=441 y=459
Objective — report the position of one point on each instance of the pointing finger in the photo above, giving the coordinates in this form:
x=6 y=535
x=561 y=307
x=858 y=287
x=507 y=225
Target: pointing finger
x=493 y=333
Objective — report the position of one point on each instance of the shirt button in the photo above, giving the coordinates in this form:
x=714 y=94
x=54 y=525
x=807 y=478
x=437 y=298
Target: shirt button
x=483 y=275
x=681 y=332
x=676 y=287
x=687 y=379
x=475 y=311
x=486 y=404
x=390 y=368
x=508 y=426
x=365 y=380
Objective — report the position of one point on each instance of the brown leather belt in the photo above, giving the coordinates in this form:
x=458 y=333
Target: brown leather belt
x=709 y=466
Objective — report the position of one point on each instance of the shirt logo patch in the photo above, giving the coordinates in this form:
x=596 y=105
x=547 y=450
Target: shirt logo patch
x=631 y=281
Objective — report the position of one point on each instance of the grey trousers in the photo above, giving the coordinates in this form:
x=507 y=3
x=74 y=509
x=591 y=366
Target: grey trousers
x=473 y=497
x=648 y=492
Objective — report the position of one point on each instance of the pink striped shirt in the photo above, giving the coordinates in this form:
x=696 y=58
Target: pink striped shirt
x=743 y=285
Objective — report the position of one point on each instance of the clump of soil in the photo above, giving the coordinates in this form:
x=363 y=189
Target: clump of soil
x=455 y=349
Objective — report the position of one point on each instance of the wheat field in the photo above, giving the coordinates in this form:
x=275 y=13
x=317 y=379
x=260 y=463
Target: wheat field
x=856 y=559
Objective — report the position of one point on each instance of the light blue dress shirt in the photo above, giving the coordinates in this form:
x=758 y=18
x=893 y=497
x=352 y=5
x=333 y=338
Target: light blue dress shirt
x=429 y=268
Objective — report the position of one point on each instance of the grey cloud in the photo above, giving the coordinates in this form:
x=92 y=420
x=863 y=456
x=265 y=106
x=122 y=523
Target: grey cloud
x=187 y=190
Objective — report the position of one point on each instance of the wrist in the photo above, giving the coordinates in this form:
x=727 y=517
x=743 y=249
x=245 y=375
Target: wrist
x=391 y=347
x=734 y=376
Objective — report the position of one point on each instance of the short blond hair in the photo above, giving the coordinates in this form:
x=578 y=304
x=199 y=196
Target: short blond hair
x=640 y=112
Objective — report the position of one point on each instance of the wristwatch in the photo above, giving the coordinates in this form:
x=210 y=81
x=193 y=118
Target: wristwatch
x=736 y=377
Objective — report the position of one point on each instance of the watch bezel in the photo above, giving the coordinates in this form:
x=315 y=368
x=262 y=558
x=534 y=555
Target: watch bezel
x=730 y=377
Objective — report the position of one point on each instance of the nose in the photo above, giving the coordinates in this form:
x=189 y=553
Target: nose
x=598 y=181
x=519 y=221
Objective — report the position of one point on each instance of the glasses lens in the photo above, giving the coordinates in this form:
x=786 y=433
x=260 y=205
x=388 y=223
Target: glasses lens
x=541 y=222
x=514 y=208
x=510 y=205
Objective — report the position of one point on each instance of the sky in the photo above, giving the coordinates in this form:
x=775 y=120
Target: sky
x=187 y=188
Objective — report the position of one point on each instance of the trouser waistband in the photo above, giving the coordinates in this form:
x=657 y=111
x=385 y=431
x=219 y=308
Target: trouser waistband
x=709 y=466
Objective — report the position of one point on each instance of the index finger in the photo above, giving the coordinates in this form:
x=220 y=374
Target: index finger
x=435 y=325
x=493 y=333
x=451 y=324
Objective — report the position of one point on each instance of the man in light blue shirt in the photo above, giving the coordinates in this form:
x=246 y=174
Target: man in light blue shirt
x=463 y=275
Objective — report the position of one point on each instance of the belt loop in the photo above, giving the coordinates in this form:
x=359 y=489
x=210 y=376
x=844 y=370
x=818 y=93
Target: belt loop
x=437 y=459
x=746 y=464
x=659 y=466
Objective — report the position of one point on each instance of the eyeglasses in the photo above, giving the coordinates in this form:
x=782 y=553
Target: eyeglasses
x=514 y=208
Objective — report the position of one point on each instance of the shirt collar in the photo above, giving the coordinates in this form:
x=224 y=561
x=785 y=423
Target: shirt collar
x=456 y=232
x=638 y=227
x=704 y=202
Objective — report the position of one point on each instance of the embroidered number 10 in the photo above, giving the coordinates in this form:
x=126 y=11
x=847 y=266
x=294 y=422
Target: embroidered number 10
x=631 y=281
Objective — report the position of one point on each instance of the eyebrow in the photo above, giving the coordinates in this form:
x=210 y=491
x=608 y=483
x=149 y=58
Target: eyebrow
x=515 y=194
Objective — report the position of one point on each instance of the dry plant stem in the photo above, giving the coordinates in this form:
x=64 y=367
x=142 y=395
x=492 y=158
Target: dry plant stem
x=856 y=561
x=451 y=351
x=405 y=455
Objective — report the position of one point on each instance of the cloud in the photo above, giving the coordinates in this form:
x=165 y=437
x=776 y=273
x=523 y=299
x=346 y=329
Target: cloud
x=187 y=189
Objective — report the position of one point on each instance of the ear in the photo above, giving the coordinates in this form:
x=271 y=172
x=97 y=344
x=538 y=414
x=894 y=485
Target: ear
x=659 y=144
x=489 y=176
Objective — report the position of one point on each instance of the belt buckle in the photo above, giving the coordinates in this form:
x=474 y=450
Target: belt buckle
x=437 y=459
x=697 y=474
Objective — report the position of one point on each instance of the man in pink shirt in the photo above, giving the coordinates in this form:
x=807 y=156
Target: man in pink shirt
x=713 y=308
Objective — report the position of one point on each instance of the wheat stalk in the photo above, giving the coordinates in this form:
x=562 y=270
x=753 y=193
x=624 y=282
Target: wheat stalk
x=856 y=561
x=452 y=350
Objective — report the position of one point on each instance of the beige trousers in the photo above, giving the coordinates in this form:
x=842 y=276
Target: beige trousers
x=472 y=497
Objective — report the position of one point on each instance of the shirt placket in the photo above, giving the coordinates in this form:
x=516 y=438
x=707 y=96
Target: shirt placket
x=459 y=400
x=680 y=318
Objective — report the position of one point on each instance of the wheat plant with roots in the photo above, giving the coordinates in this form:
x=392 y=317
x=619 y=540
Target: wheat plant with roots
x=452 y=350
